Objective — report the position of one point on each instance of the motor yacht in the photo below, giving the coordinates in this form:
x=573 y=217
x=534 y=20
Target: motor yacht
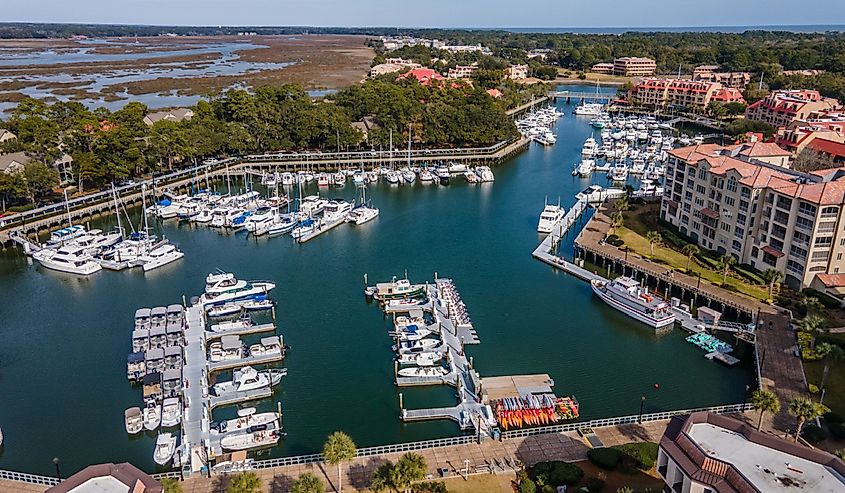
x=223 y=287
x=247 y=417
x=248 y=378
x=133 y=420
x=484 y=173
x=165 y=448
x=171 y=412
x=160 y=256
x=433 y=371
x=71 y=259
x=152 y=415
x=550 y=216
x=255 y=437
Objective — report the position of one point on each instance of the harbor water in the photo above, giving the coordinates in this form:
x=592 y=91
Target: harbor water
x=64 y=338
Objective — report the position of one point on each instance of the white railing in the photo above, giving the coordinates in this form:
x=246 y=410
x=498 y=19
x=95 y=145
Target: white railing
x=23 y=477
x=624 y=420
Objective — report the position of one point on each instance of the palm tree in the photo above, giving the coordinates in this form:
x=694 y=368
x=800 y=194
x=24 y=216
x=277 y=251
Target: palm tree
x=654 y=238
x=245 y=482
x=307 y=483
x=339 y=448
x=805 y=410
x=690 y=250
x=813 y=324
x=617 y=219
x=831 y=353
x=382 y=477
x=725 y=263
x=772 y=277
x=811 y=303
x=622 y=204
x=410 y=468
x=765 y=401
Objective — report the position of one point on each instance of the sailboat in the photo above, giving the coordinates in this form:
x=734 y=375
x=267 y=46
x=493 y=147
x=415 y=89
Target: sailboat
x=364 y=212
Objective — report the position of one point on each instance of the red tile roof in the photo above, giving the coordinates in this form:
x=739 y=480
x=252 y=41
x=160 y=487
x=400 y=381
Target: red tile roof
x=832 y=280
x=762 y=149
x=709 y=213
x=494 y=92
x=835 y=149
x=774 y=252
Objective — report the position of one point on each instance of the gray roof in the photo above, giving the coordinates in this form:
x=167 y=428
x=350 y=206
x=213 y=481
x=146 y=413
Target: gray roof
x=158 y=330
x=7 y=160
x=140 y=334
x=156 y=353
x=172 y=351
x=172 y=375
x=176 y=115
x=271 y=341
x=142 y=312
x=158 y=311
x=230 y=342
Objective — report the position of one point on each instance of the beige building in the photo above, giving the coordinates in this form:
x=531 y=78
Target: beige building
x=782 y=108
x=659 y=93
x=517 y=72
x=742 y=201
x=710 y=73
x=13 y=163
x=175 y=115
x=109 y=478
x=462 y=71
x=634 y=66
x=602 y=68
x=711 y=453
x=801 y=133
x=6 y=136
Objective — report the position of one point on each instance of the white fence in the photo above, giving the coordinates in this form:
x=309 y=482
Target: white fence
x=438 y=442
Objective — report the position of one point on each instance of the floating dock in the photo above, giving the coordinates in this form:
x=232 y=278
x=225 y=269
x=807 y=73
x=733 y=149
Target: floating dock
x=544 y=250
x=495 y=388
x=241 y=331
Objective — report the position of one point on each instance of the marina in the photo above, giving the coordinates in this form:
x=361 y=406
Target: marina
x=524 y=312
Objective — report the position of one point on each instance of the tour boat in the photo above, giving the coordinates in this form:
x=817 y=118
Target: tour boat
x=247 y=417
x=171 y=412
x=397 y=289
x=484 y=173
x=160 y=257
x=70 y=259
x=152 y=415
x=550 y=216
x=255 y=437
x=165 y=448
x=248 y=378
x=134 y=420
x=626 y=295
x=223 y=287
x=421 y=371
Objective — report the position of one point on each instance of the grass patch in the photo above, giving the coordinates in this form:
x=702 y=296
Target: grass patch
x=639 y=221
x=834 y=396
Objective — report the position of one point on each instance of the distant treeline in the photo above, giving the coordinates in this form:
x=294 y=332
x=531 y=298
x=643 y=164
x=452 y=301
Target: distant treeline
x=41 y=31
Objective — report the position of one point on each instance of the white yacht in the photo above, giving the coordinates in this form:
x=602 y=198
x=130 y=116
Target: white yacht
x=312 y=205
x=171 y=412
x=626 y=295
x=70 y=259
x=409 y=176
x=589 y=148
x=255 y=437
x=165 y=448
x=585 y=168
x=204 y=217
x=362 y=214
x=596 y=194
x=589 y=109
x=248 y=378
x=60 y=236
x=260 y=220
x=281 y=225
x=484 y=173
x=392 y=177
x=223 y=287
x=549 y=217
x=287 y=179
x=545 y=137
x=433 y=371
x=160 y=256
x=336 y=210
x=152 y=415
x=133 y=420
x=420 y=359
x=247 y=417
x=426 y=176
x=619 y=172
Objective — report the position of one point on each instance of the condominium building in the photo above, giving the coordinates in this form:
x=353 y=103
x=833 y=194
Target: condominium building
x=602 y=68
x=462 y=71
x=801 y=133
x=710 y=453
x=393 y=65
x=109 y=478
x=742 y=201
x=659 y=93
x=634 y=66
x=781 y=108
x=710 y=73
x=517 y=72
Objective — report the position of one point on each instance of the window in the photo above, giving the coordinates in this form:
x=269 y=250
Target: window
x=824 y=241
x=702 y=173
x=699 y=202
x=776 y=243
x=804 y=223
x=685 y=219
x=808 y=209
x=688 y=196
x=725 y=226
x=838 y=256
x=690 y=183
x=739 y=232
x=754 y=252
x=700 y=189
x=696 y=226
x=800 y=238
x=797 y=251
x=830 y=211
x=743 y=204
x=730 y=201
x=794 y=266
x=736 y=245
x=818 y=268
x=745 y=192
x=827 y=227
x=740 y=219
x=778 y=231
x=732 y=184
x=784 y=203
x=819 y=256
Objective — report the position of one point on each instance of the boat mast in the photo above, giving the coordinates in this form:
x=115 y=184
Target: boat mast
x=67 y=208
x=116 y=209
x=409 y=145
x=390 y=151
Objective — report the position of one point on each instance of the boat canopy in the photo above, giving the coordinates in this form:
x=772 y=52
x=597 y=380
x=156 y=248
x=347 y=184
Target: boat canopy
x=174 y=327
x=230 y=343
x=135 y=357
x=158 y=330
x=170 y=401
x=132 y=412
x=247 y=411
x=170 y=375
x=173 y=351
x=158 y=311
x=627 y=282
x=140 y=334
x=142 y=313
x=154 y=354
x=270 y=341
x=152 y=379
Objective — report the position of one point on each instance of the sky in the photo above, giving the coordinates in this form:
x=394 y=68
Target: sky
x=430 y=13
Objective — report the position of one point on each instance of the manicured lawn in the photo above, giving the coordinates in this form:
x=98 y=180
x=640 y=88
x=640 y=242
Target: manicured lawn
x=482 y=483
x=642 y=219
x=834 y=397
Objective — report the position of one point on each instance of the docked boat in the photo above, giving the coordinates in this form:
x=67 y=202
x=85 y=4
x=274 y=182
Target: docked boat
x=550 y=216
x=306 y=227
x=589 y=109
x=248 y=378
x=247 y=417
x=165 y=448
x=420 y=359
x=626 y=295
x=282 y=225
x=224 y=310
x=442 y=174
x=243 y=322
x=421 y=345
x=268 y=346
x=596 y=194
x=619 y=172
x=585 y=168
x=161 y=256
x=171 y=412
x=152 y=415
x=422 y=371
x=255 y=437
x=224 y=287
x=71 y=259
x=397 y=290
x=392 y=177
x=589 y=148
x=426 y=176
x=409 y=176
x=484 y=173
x=133 y=420
x=61 y=236
x=362 y=214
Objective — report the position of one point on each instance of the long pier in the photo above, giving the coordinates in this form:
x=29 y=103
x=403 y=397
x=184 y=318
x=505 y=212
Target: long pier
x=544 y=250
x=582 y=96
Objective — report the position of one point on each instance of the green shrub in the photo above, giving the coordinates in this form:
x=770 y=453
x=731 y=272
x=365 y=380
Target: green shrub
x=643 y=454
x=604 y=457
x=707 y=261
x=837 y=430
x=527 y=486
x=21 y=208
x=595 y=485
x=813 y=388
x=808 y=354
x=825 y=299
x=556 y=473
x=832 y=417
x=813 y=433
x=805 y=339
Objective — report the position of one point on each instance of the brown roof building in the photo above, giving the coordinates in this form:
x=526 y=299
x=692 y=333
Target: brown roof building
x=109 y=478
x=711 y=453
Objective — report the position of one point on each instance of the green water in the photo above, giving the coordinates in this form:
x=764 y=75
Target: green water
x=64 y=339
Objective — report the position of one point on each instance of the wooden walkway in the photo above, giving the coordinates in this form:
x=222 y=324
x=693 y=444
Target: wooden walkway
x=780 y=369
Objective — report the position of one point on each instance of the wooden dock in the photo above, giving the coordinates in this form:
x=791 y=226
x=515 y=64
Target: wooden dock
x=248 y=361
x=252 y=329
x=544 y=251
x=238 y=397
x=495 y=388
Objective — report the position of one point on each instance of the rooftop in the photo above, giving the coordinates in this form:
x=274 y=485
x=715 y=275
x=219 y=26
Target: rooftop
x=767 y=469
x=108 y=478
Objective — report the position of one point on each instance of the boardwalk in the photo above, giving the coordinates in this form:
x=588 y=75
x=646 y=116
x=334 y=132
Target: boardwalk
x=781 y=370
